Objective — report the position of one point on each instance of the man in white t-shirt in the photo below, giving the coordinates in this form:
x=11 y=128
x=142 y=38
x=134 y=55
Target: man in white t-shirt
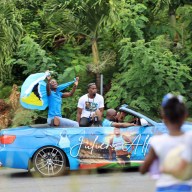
x=90 y=106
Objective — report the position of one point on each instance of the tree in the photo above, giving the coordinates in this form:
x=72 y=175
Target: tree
x=80 y=19
x=30 y=11
x=32 y=57
x=148 y=71
x=11 y=32
x=171 y=6
x=130 y=20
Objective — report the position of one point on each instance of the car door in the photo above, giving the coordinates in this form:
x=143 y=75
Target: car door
x=130 y=145
x=140 y=140
x=98 y=147
x=94 y=147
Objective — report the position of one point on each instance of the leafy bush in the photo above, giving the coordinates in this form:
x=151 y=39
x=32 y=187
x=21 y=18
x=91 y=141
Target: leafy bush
x=148 y=71
x=32 y=57
x=11 y=32
x=69 y=107
x=5 y=91
x=131 y=19
x=70 y=62
x=24 y=117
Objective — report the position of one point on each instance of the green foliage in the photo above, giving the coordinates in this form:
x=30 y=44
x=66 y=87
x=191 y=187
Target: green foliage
x=5 y=91
x=30 y=11
x=171 y=4
x=10 y=35
x=24 y=117
x=185 y=24
x=59 y=36
x=78 y=20
x=69 y=107
x=149 y=70
x=41 y=116
x=60 y=24
x=93 y=14
x=158 y=25
x=32 y=57
x=131 y=19
x=163 y=18
x=70 y=62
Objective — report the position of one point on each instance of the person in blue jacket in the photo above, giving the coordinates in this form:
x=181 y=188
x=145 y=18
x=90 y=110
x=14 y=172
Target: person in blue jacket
x=55 y=102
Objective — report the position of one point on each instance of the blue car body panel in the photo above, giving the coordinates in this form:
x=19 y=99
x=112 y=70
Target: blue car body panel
x=84 y=147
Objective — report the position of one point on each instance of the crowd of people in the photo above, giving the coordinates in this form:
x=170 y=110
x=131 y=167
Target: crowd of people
x=174 y=112
x=90 y=106
x=170 y=154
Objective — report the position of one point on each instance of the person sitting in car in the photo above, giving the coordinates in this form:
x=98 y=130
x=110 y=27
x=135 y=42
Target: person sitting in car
x=121 y=118
x=111 y=120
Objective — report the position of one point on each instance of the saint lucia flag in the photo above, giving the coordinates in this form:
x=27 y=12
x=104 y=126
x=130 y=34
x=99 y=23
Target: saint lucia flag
x=34 y=93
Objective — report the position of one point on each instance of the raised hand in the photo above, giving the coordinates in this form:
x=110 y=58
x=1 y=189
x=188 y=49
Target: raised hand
x=48 y=76
x=77 y=81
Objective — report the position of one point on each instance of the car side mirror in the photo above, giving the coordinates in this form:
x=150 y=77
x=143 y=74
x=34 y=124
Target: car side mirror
x=143 y=122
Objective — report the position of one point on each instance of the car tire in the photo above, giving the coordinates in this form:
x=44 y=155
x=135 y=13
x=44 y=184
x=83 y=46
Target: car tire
x=49 y=161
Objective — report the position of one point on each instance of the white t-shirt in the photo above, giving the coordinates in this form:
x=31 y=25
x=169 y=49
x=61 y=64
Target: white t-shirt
x=187 y=154
x=163 y=144
x=89 y=106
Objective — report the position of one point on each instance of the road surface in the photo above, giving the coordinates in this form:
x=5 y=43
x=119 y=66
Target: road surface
x=16 y=180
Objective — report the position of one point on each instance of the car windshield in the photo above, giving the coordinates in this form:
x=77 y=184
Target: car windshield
x=156 y=119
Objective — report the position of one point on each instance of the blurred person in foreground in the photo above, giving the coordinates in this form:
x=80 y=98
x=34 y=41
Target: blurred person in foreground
x=182 y=168
x=174 y=114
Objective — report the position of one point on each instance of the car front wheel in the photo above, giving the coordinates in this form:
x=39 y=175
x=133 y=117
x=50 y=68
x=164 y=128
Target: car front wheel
x=49 y=161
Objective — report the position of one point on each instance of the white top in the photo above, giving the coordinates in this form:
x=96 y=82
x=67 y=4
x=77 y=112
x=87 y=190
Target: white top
x=163 y=144
x=187 y=154
x=89 y=106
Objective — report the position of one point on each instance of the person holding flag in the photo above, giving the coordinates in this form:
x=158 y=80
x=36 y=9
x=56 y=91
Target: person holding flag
x=55 y=101
x=36 y=94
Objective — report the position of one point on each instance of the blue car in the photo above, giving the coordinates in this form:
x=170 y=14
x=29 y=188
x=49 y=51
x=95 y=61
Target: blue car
x=53 y=150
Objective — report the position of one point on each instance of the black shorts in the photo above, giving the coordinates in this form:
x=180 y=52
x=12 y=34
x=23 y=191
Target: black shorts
x=86 y=122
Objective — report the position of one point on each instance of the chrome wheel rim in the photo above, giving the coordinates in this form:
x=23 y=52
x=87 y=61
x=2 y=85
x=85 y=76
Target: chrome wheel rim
x=49 y=161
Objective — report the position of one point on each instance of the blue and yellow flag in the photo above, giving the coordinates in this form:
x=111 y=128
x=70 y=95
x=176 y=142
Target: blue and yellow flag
x=34 y=93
